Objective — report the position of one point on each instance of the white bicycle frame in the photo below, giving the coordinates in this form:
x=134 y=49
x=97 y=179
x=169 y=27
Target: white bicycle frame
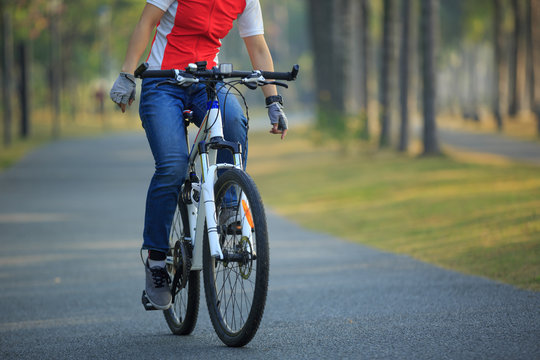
x=205 y=209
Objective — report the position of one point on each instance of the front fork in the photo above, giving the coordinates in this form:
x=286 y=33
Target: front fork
x=206 y=210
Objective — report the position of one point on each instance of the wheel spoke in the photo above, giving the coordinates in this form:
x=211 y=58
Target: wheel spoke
x=235 y=298
x=182 y=316
x=236 y=302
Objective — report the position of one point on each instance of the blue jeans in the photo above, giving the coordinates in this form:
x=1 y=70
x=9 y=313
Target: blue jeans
x=161 y=115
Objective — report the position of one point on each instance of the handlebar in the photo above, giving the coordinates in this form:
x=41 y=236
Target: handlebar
x=215 y=73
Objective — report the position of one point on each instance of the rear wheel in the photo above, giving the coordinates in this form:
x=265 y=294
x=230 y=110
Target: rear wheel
x=236 y=286
x=182 y=315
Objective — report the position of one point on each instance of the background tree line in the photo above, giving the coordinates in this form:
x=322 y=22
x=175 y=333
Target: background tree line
x=57 y=59
x=369 y=67
x=472 y=59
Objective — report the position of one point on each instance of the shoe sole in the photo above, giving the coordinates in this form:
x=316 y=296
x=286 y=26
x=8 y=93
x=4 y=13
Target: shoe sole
x=156 y=306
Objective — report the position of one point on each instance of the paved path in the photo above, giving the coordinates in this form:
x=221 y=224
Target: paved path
x=487 y=143
x=70 y=280
x=524 y=151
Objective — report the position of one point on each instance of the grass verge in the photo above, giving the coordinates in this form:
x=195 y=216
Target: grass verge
x=481 y=219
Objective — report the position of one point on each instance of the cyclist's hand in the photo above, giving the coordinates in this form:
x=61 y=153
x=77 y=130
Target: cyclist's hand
x=123 y=90
x=278 y=119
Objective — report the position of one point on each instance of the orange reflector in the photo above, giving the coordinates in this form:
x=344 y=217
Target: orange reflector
x=248 y=214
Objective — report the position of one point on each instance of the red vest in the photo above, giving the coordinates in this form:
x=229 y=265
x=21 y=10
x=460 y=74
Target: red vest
x=195 y=33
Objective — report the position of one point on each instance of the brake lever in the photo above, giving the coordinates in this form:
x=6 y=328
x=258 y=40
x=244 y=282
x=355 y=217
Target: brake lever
x=184 y=81
x=277 y=83
x=250 y=85
x=169 y=81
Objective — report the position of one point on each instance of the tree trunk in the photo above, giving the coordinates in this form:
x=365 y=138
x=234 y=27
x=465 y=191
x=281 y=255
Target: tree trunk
x=353 y=74
x=405 y=70
x=429 y=30
x=414 y=53
x=498 y=66
x=471 y=104
x=340 y=55
x=366 y=68
x=529 y=67
x=321 y=38
x=24 y=89
x=7 y=70
x=55 y=67
x=535 y=13
x=331 y=32
x=388 y=70
x=513 y=88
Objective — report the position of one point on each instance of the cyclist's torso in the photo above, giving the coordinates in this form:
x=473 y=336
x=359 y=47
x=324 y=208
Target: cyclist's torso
x=190 y=30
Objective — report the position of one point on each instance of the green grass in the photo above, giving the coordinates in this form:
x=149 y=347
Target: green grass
x=476 y=218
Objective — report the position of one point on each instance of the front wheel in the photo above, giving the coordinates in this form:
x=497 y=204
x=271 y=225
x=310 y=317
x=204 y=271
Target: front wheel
x=236 y=286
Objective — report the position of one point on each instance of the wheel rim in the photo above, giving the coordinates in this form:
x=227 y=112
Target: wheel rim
x=178 y=309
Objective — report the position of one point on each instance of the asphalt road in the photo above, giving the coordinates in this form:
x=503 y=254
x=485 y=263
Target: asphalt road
x=71 y=278
x=523 y=151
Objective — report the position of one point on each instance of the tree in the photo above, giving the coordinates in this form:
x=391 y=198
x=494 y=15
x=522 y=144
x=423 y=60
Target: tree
x=513 y=80
x=498 y=61
x=340 y=58
x=55 y=64
x=321 y=38
x=429 y=31
x=529 y=67
x=388 y=70
x=7 y=70
x=365 y=51
x=331 y=33
x=404 y=72
x=24 y=88
x=535 y=39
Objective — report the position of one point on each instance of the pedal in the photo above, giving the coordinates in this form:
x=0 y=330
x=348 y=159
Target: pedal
x=146 y=303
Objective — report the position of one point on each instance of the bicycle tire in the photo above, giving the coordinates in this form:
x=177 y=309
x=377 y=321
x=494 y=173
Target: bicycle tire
x=235 y=291
x=181 y=317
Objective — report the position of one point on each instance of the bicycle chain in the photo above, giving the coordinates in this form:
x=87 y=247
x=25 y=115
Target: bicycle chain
x=182 y=264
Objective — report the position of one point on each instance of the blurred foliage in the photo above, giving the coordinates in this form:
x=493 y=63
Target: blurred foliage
x=87 y=31
x=95 y=35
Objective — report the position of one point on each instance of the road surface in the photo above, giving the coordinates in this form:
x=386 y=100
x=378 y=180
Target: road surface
x=71 y=219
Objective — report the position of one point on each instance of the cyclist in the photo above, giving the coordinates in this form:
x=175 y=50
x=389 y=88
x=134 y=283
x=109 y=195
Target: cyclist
x=188 y=31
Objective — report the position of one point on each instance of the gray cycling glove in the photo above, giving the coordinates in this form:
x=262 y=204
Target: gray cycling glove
x=277 y=115
x=123 y=88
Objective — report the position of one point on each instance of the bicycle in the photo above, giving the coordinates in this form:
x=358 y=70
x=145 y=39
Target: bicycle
x=220 y=225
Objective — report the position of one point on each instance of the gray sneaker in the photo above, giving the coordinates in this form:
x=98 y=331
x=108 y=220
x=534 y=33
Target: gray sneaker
x=158 y=291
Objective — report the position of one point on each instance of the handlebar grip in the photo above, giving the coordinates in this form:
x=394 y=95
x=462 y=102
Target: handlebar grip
x=276 y=75
x=143 y=72
x=289 y=76
x=158 y=74
x=294 y=71
x=140 y=70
